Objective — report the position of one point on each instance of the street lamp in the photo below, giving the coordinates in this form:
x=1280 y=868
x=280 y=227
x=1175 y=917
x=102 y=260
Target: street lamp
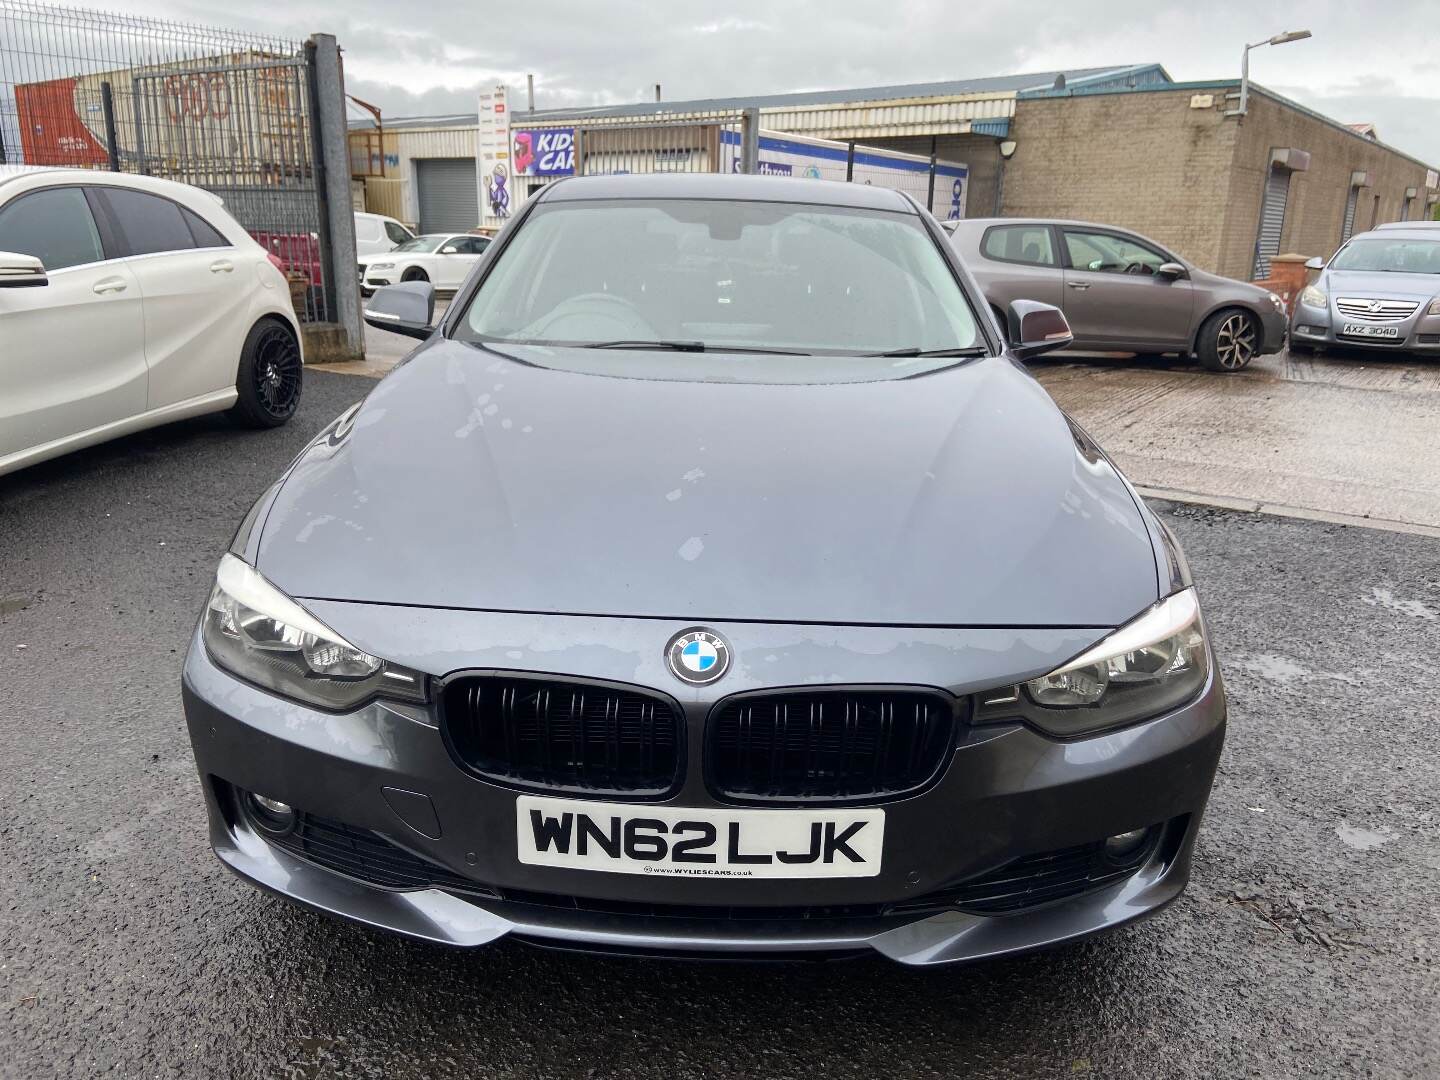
x=1279 y=39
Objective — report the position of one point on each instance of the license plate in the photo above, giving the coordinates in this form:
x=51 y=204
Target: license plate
x=1351 y=329
x=668 y=841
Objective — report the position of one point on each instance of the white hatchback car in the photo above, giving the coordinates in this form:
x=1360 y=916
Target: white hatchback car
x=443 y=259
x=128 y=302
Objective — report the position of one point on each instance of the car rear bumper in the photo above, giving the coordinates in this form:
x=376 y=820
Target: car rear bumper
x=1007 y=793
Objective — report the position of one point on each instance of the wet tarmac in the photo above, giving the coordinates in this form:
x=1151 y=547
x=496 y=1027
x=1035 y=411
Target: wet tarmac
x=1342 y=434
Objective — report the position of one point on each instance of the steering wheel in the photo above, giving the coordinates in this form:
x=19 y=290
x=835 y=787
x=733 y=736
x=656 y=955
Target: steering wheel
x=597 y=316
x=1136 y=268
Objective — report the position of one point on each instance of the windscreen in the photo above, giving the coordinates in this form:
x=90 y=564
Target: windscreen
x=421 y=243
x=1397 y=256
x=711 y=274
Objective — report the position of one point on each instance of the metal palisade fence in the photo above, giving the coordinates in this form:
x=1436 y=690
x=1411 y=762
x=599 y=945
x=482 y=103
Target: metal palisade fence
x=231 y=112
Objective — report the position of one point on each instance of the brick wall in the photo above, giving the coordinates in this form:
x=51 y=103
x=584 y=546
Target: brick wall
x=1192 y=178
x=1316 y=208
x=1142 y=161
x=979 y=152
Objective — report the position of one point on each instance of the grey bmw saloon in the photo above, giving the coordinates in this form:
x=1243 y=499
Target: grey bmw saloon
x=713 y=580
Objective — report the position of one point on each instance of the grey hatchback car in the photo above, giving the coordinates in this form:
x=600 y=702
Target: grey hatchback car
x=1121 y=291
x=713 y=580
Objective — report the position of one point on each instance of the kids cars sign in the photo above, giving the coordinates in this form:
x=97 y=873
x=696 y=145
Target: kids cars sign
x=544 y=152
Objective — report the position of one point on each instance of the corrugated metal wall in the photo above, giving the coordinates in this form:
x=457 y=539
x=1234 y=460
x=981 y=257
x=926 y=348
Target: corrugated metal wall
x=889 y=119
x=413 y=143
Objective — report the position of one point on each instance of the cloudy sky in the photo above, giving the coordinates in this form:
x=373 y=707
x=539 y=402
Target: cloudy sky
x=415 y=57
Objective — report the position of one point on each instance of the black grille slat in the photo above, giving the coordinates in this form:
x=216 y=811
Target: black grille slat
x=565 y=735
x=836 y=745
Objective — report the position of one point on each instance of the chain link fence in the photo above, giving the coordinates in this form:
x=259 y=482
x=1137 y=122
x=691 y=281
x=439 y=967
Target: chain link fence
x=227 y=111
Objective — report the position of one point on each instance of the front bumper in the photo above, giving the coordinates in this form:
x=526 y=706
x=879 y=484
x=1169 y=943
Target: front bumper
x=1318 y=327
x=1272 y=332
x=1007 y=792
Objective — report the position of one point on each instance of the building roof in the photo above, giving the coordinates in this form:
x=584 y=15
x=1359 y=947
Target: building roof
x=993 y=85
x=998 y=85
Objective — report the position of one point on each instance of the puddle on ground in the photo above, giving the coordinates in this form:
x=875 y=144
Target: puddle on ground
x=1352 y=836
x=11 y=604
x=1416 y=609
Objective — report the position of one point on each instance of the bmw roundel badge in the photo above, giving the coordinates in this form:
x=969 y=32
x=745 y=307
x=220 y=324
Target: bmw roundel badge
x=698 y=656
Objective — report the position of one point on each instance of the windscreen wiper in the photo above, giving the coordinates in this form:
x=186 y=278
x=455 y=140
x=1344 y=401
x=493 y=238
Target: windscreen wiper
x=692 y=346
x=974 y=350
x=675 y=346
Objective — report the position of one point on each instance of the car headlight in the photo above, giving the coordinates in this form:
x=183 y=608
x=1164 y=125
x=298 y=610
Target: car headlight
x=382 y=266
x=1434 y=308
x=1278 y=301
x=1312 y=296
x=255 y=631
x=1149 y=666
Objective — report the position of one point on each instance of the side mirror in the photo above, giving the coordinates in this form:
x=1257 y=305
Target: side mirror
x=1316 y=263
x=21 y=271
x=407 y=308
x=449 y=249
x=1172 y=270
x=1037 y=328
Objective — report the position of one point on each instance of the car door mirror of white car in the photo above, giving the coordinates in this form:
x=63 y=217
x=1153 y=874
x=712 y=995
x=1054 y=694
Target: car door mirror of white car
x=1036 y=328
x=1171 y=270
x=449 y=249
x=21 y=271
x=1316 y=263
x=407 y=308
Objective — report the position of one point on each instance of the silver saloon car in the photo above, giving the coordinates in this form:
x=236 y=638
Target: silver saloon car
x=1380 y=290
x=1121 y=291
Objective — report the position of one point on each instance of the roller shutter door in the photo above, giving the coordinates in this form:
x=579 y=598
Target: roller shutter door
x=1272 y=220
x=448 y=199
x=1348 y=225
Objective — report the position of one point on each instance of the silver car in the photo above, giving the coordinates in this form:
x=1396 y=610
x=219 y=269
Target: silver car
x=1380 y=290
x=1121 y=291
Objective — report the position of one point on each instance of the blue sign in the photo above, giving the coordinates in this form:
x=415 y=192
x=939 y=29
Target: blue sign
x=544 y=152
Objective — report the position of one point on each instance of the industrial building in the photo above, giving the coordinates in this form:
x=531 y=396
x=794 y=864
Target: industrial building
x=1124 y=145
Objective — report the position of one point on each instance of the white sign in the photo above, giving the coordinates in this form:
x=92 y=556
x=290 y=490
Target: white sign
x=494 y=172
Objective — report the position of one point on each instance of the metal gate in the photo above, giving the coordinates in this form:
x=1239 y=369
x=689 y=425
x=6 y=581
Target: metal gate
x=446 y=191
x=226 y=111
x=1272 y=220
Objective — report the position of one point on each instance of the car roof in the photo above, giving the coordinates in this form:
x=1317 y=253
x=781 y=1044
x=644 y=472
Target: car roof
x=747 y=188
x=987 y=222
x=10 y=174
x=1407 y=226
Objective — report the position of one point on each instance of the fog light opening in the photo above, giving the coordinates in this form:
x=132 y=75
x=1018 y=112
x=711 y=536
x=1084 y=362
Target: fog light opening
x=1126 y=847
x=271 y=815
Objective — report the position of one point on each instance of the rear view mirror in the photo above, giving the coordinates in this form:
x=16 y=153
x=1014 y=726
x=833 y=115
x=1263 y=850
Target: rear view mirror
x=1037 y=328
x=21 y=271
x=1172 y=270
x=1316 y=263
x=407 y=308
